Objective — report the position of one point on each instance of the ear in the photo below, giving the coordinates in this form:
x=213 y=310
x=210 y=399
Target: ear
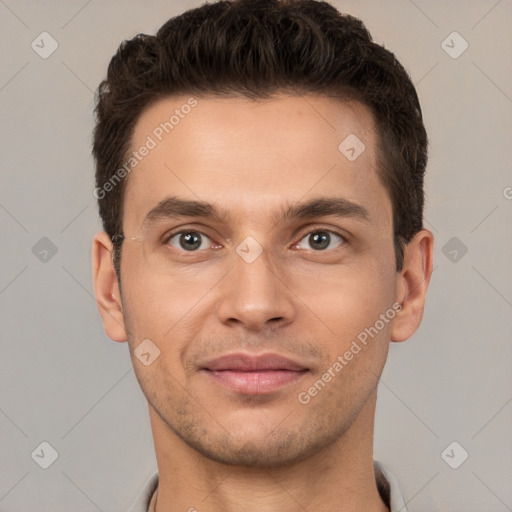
x=412 y=285
x=106 y=288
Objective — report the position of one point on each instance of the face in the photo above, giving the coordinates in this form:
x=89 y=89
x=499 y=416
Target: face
x=289 y=256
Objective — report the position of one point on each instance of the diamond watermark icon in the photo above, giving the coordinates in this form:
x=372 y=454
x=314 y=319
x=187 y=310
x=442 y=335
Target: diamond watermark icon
x=44 y=45
x=146 y=352
x=44 y=250
x=454 y=249
x=352 y=147
x=45 y=455
x=454 y=455
x=454 y=45
x=249 y=249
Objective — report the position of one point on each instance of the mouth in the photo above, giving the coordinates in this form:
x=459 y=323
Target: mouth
x=254 y=375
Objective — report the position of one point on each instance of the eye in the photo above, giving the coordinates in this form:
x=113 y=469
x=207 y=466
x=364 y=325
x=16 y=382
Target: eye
x=320 y=240
x=189 y=241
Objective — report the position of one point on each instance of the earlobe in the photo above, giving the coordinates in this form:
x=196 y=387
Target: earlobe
x=412 y=285
x=106 y=288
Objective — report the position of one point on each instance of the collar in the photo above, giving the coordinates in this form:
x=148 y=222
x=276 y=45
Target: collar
x=386 y=484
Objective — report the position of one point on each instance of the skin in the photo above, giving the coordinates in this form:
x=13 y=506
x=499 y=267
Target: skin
x=217 y=449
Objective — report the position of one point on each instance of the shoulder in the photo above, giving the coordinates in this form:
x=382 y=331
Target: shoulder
x=143 y=500
x=388 y=488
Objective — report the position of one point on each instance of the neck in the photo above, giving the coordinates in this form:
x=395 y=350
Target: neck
x=340 y=477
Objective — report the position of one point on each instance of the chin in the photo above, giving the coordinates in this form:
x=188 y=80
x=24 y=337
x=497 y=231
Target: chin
x=259 y=450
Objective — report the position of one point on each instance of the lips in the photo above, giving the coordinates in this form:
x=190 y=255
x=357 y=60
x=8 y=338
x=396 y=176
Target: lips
x=250 y=363
x=250 y=374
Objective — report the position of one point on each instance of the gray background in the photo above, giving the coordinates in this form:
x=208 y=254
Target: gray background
x=62 y=381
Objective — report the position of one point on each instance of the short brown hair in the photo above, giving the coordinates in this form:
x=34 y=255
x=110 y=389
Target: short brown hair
x=257 y=48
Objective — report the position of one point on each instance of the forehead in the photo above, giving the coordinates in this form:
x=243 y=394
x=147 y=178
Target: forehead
x=252 y=156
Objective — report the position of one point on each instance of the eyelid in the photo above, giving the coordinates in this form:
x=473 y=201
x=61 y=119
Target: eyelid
x=334 y=237
x=178 y=231
x=304 y=232
x=313 y=229
x=186 y=228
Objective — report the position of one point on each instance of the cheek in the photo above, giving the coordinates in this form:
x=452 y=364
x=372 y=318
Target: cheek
x=172 y=312
x=156 y=300
x=353 y=313
x=346 y=299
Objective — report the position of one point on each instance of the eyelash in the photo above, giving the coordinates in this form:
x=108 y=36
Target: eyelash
x=343 y=238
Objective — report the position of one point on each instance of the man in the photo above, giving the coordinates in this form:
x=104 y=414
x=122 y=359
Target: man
x=259 y=171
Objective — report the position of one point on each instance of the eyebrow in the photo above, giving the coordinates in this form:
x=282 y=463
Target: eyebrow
x=175 y=207
x=325 y=206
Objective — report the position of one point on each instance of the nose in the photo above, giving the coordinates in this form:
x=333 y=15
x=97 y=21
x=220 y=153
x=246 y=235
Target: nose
x=254 y=295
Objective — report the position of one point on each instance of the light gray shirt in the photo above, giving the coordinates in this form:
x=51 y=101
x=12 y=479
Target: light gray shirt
x=386 y=483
